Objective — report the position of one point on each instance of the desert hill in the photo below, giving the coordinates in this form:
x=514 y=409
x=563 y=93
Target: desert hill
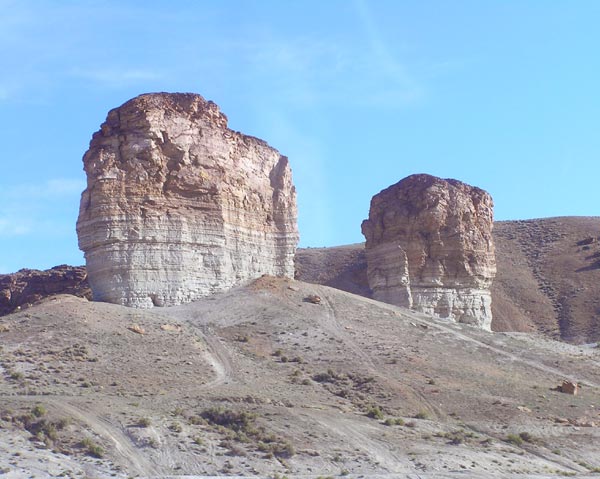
x=289 y=378
x=548 y=277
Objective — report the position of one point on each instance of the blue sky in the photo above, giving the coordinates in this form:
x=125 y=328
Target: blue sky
x=358 y=94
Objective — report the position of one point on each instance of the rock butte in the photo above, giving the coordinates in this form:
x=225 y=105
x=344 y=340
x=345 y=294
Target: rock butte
x=430 y=248
x=178 y=206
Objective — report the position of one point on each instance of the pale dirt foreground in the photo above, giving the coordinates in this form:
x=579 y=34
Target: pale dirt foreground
x=348 y=387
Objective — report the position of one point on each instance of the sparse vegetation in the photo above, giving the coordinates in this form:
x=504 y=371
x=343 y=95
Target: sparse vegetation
x=242 y=427
x=527 y=437
x=176 y=427
x=38 y=410
x=375 y=412
x=178 y=411
x=456 y=437
x=144 y=422
x=514 y=439
x=198 y=441
x=91 y=448
x=234 y=420
x=394 y=421
x=42 y=429
x=422 y=415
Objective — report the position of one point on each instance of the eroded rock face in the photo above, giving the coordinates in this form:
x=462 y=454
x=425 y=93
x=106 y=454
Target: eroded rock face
x=430 y=248
x=27 y=286
x=178 y=206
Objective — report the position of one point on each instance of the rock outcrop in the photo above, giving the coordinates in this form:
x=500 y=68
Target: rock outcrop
x=430 y=248
x=28 y=286
x=178 y=206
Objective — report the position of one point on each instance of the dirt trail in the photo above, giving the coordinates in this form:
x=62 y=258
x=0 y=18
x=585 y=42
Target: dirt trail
x=129 y=454
x=338 y=332
x=431 y=322
x=218 y=356
x=354 y=435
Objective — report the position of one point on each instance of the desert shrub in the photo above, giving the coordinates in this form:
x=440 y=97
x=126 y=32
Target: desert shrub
x=277 y=449
x=391 y=421
x=196 y=420
x=527 y=437
x=234 y=420
x=375 y=412
x=176 y=427
x=91 y=448
x=178 y=411
x=322 y=378
x=514 y=439
x=240 y=426
x=329 y=377
x=38 y=410
x=422 y=415
x=144 y=422
x=456 y=437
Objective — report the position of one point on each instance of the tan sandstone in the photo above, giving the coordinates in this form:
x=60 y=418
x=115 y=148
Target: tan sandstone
x=178 y=206
x=430 y=248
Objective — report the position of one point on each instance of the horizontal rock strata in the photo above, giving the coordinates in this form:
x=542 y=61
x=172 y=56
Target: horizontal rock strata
x=178 y=206
x=429 y=247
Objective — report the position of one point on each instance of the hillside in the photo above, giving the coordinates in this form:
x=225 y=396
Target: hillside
x=266 y=380
x=548 y=277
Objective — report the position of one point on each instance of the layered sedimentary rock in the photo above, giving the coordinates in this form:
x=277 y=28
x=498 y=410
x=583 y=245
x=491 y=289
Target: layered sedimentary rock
x=28 y=286
x=178 y=206
x=430 y=248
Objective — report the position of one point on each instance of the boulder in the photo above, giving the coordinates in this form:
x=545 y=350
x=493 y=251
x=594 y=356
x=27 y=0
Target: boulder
x=569 y=387
x=178 y=206
x=429 y=247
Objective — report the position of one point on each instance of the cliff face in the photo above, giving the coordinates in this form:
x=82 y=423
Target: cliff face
x=429 y=247
x=178 y=206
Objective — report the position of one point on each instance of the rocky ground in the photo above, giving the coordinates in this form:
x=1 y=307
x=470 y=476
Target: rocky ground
x=284 y=378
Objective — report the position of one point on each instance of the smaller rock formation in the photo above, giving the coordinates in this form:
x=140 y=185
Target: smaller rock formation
x=430 y=248
x=28 y=286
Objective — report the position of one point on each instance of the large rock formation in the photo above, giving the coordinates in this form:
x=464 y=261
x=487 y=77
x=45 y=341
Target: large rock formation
x=430 y=248
x=178 y=206
x=27 y=286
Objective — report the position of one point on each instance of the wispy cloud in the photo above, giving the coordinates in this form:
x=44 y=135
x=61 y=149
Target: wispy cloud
x=393 y=83
x=306 y=71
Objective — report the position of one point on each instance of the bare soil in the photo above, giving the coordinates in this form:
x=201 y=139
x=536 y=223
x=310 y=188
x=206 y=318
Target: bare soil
x=260 y=382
